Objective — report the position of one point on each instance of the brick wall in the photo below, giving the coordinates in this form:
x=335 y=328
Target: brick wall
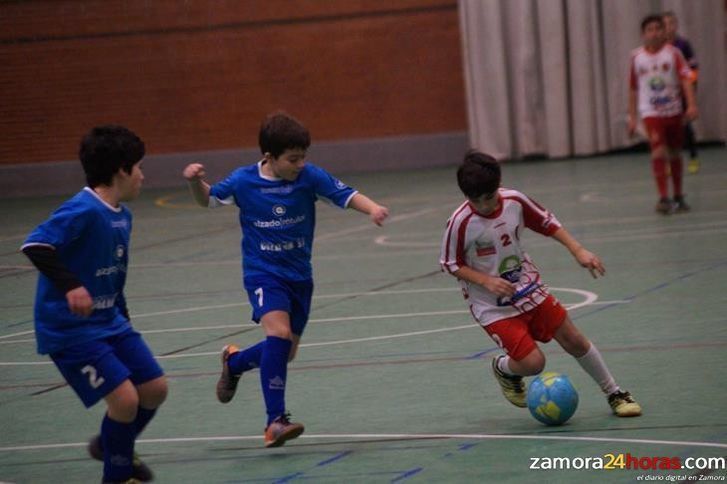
x=199 y=75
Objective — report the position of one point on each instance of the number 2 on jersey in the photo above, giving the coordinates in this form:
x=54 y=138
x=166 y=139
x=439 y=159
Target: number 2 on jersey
x=93 y=379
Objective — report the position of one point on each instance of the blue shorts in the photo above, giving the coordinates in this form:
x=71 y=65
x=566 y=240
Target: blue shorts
x=96 y=368
x=272 y=294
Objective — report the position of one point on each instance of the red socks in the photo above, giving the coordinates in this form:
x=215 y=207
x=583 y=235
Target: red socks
x=658 y=165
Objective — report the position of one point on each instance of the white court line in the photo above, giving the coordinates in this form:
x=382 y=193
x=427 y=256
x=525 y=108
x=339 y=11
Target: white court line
x=22 y=333
x=590 y=298
x=321 y=320
x=387 y=336
x=245 y=303
x=328 y=320
x=324 y=296
x=16 y=341
x=234 y=438
x=362 y=228
x=647 y=234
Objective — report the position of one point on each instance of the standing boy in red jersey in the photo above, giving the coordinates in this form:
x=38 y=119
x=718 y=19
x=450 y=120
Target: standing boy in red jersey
x=659 y=78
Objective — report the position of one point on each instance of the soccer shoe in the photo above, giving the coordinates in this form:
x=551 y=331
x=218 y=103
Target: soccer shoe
x=281 y=430
x=663 y=206
x=128 y=481
x=693 y=166
x=227 y=384
x=680 y=204
x=513 y=386
x=623 y=404
x=140 y=473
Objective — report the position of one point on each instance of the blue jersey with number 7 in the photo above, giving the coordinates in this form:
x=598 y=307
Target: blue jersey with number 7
x=278 y=217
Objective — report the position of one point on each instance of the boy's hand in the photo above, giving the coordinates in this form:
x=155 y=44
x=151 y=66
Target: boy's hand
x=498 y=286
x=590 y=261
x=80 y=302
x=379 y=214
x=194 y=171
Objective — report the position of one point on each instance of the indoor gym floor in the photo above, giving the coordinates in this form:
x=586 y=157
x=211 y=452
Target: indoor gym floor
x=393 y=380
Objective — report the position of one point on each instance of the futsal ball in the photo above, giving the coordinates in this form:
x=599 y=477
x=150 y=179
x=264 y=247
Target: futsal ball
x=552 y=399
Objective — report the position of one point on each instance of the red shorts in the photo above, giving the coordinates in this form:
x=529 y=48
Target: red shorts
x=516 y=335
x=665 y=131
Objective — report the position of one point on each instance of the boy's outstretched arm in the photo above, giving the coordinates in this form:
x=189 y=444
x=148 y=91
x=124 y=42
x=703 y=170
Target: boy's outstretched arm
x=194 y=174
x=585 y=258
x=377 y=213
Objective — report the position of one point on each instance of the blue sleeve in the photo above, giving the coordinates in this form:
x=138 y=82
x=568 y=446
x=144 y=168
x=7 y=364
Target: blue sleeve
x=64 y=226
x=689 y=55
x=331 y=188
x=224 y=191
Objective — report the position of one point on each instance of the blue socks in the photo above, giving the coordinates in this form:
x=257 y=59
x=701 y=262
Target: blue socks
x=117 y=440
x=271 y=356
x=246 y=359
x=273 y=373
x=143 y=416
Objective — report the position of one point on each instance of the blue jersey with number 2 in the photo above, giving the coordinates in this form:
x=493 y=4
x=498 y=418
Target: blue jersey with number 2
x=91 y=238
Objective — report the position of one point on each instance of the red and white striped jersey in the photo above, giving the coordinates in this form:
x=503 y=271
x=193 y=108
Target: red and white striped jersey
x=491 y=244
x=657 y=76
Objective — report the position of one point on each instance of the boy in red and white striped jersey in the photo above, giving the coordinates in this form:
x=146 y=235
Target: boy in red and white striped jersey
x=503 y=287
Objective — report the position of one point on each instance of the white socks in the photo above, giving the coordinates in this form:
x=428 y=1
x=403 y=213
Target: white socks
x=594 y=365
x=503 y=365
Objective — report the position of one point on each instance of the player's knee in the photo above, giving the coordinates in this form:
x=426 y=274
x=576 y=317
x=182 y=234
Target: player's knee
x=532 y=364
x=281 y=332
x=161 y=390
x=123 y=407
x=153 y=393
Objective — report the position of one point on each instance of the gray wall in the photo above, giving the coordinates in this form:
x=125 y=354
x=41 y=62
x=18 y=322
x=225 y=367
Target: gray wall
x=366 y=155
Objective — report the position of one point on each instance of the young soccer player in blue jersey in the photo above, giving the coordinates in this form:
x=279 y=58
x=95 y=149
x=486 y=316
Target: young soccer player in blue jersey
x=81 y=318
x=276 y=198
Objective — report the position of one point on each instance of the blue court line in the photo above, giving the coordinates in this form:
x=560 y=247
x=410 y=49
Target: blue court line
x=334 y=458
x=408 y=474
x=467 y=446
x=288 y=478
x=628 y=298
x=655 y=288
x=323 y=463
x=461 y=447
x=481 y=353
x=339 y=477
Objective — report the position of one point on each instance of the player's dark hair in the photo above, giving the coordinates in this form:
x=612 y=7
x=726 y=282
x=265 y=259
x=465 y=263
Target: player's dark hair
x=478 y=174
x=652 y=18
x=281 y=131
x=669 y=14
x=107 y=149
